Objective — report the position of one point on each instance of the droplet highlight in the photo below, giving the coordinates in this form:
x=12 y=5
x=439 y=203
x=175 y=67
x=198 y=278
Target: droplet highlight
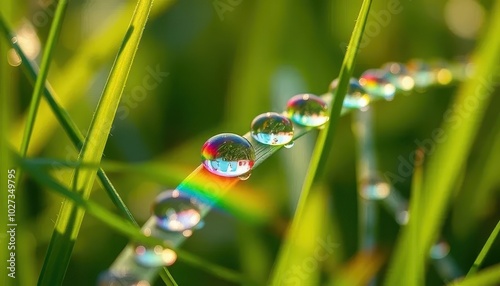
x=156 y=256
x=356 y=96
x=228 y=155
x=289 y=145
x=375 y=188
x=176 y=212
x=398 y=75
x=272 y=128
x=307 y=110
x=440 y=250
x=421 y=73
x=376 y=83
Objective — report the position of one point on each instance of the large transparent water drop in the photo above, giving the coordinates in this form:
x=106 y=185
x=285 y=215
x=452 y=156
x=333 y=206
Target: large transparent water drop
x=356 y=96
x=377 y=84
x=399 y=76
x=154 y=256
x=175 y=211
x=228 y=155
x=272 y=128
x=113 y=279
x=307 y=110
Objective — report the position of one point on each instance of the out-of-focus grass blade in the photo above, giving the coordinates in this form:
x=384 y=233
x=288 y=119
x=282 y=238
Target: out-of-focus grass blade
x=360 y=270
x=65 y=120
x=444 y=165
x=478 y=190
x=487 y=277
x=255 y=63
x=91 y=56
x=70 y=218
x=405 y=268
x=321 y=150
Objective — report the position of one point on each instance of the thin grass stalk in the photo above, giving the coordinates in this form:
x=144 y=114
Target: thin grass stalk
x=484 y=251
x=320 y=153
x=55 y=29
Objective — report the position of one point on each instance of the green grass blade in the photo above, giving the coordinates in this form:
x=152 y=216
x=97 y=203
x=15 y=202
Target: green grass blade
x=70 y=218
x=484 y=251
x=445 y=163
x=69 y=126
x=404 y=268
x=90 y=58
x=486 y=277
x=55 y=29
x=321 y=150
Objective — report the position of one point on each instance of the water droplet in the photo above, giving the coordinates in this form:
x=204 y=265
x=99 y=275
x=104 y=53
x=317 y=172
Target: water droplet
x=175 y=211
x=375 y=188
x=187 y=233
x=307 y=110
x=245 y=177
x=272 y=128
x=402 y=217
x=289 y=145
x=113 y=279
x=421 y=73
x=228 y=155
x=442 y=72
x=154 y=256
x=356 y=97
x=440 y=250
x=376 y=83
x=398 y=75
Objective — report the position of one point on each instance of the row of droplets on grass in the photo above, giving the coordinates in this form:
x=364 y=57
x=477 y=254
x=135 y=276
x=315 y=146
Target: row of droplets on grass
x=232 y=155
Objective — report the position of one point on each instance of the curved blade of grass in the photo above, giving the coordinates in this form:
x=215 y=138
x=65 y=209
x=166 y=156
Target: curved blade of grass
x=69 y=126
x=445 y=163
x=127 y=228
x=70 y=217
x=487 y=277
x=90 y=58
x=484 y=251
x=324 y=141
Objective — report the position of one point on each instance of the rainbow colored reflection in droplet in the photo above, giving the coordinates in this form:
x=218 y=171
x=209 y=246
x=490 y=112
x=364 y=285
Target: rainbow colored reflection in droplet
x=272 y=128
x=307 y=110
x=156 y=256
x=356 y=96
x=377 y=84
x=228 y=155
x=175 y=211
x=398 y=75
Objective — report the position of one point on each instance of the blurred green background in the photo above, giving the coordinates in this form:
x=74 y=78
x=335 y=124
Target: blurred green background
x=207 y=67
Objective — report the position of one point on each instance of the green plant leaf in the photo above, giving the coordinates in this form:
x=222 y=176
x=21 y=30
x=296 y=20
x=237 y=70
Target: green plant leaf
x=69 y=126
x=321 y=150
x=70 y=218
